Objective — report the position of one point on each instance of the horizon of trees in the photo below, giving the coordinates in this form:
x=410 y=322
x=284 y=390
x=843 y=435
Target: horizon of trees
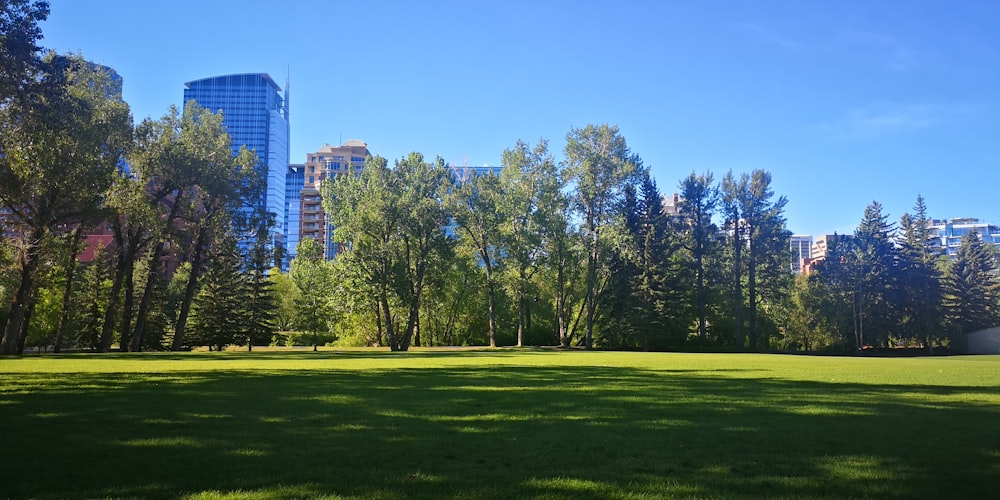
x=573 y=253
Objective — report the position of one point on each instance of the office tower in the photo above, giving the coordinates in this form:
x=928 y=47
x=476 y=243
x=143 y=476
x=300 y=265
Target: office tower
x=293 y=191
x=801 y=249
x=255 y=114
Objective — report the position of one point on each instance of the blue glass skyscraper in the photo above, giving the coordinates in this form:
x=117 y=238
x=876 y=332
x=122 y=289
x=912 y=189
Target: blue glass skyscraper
x=255 y=113
x=294 y=180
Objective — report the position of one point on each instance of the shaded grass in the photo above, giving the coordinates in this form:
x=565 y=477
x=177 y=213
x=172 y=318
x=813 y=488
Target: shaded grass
x=498 y=424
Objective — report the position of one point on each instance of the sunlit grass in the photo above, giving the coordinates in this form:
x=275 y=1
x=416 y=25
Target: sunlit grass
x=502 y=423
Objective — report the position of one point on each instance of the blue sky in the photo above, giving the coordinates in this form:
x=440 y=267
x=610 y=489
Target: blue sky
x=844 y=102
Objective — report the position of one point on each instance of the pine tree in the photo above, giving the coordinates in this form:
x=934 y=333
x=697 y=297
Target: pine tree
x=260 y=303
x=920 y=280
x=972 y=287
x=874 y=279
x=699 y=199
x=217 y=319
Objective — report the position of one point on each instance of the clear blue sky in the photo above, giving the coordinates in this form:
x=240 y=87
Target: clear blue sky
x=844 y=102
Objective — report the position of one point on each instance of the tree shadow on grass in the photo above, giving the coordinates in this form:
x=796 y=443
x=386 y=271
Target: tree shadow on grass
x=496 y=432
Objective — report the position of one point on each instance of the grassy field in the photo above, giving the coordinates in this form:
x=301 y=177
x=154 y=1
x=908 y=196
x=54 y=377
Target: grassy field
x=498 y=424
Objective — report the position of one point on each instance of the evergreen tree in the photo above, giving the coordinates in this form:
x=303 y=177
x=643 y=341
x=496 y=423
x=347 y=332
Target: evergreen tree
x=699 y=199
x=218 y=309
x=834 y=281
x=759 y=242
x=260 y=304
x=919 y=278
x=972 y=287
x=875 y=280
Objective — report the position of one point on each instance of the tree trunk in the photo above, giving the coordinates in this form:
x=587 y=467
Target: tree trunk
x=189 y=289
x=702 y=332
x=15 y=332
x=74 y=249
x=591 y=298
x=152 y=276
x=752 y=289
x=152 y=279
x=108 y=327
x=738 y=285
x=378 y=325
x=390 y=333
x=561 y=296
x=127 y=304
x=491 y=305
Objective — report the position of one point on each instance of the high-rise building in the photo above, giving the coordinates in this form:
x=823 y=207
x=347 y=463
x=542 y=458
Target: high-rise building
x=801 y=251
x=293 y=191
x=329 y=161
x=947 y=235
x=255 y=114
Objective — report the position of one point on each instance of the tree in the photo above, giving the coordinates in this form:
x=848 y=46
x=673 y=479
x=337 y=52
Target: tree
x=699 y=198
x=260 y=303
x=394 y=221
x=531 y=188
x=216 y=194
x=874 y=279
x=312 y=275
x=217 y=319
x=733 y=190
x=600 y=164
x=972 y=287
x=61 y=147
x=287 y=295
x=757 y=234
x=19 y=33
x=477 y=208
x=834 y=282
x=920 y=281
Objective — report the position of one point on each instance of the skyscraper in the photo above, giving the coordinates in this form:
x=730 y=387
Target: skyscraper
x=293 y=194
x=255 y=114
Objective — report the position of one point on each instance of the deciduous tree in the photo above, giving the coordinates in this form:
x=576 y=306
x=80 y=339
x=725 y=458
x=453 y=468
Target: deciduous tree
x=599 y=164
x=61 y=147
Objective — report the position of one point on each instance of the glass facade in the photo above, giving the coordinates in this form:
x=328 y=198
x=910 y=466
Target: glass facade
x=948 y=234
x=255 y=113
x=294 y=180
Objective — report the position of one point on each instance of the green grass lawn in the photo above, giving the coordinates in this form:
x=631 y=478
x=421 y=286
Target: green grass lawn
x=498 y=424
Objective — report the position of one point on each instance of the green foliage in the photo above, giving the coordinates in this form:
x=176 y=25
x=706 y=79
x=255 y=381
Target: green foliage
x=600 y=165
x=759 y=252
x=699 y=198
x=61 y=146
x=19 y=33
x=218 y=310
x=395 y=220
x=286 y=295
x=313 y=277
x=972 y=287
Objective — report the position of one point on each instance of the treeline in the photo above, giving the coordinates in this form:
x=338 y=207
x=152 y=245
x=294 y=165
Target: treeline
x=576 y=253
x=891 y=286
